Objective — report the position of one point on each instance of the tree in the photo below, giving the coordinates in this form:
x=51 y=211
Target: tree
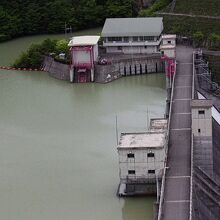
x=62 y=46
x=19 y=17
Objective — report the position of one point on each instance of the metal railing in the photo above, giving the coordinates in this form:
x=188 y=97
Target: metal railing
x=160 y=211
x=192 y=145
x=204 y=76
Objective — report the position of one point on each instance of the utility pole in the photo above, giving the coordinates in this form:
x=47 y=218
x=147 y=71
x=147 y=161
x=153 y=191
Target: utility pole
x=65 y=30
x=68 y=30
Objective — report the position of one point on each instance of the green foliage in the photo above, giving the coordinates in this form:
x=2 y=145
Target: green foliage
x=158 y=5
x=198 y=38
x=187 y=25
x=19 y=17
x=62 y=46
x=198 y=7
x=33 y=58
x=214 y=41
x=122 y=7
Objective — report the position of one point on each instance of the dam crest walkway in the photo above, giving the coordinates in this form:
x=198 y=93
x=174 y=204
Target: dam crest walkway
x=177 y=179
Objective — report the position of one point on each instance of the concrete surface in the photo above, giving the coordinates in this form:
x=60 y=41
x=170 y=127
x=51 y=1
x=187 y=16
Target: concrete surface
x=177 y=186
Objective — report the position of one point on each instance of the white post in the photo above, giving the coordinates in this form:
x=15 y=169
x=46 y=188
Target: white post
x=71 y=74
x=158 y=190
x=92 y=74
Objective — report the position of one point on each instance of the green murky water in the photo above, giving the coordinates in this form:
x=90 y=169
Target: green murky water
x=58 y=157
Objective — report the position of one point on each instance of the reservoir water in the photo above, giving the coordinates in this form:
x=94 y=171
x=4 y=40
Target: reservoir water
x=58 y=157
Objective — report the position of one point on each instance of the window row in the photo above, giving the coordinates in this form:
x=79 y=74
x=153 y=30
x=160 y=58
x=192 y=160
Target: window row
x=131 y=155
x=133 y=172
x=135 y=38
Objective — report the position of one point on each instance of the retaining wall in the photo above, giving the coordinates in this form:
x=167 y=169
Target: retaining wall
x=56 y=69
x=128 y=67
x=109 y=72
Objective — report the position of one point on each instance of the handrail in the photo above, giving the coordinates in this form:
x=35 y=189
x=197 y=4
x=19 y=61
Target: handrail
x=192 y=145
x=167 y=144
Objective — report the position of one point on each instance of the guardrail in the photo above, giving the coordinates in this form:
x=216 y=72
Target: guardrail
x=160 y=211
x=192 y=145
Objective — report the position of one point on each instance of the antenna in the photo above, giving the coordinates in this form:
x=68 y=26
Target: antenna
x=147 y=120
x=116 y=128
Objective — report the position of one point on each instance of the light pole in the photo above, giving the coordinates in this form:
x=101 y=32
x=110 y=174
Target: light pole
x=157 y=184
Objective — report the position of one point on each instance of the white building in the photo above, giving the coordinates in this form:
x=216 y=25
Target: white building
x=168 y=45
x=141 y=157
x=202 y=117
x=132 y=35
x=84 y=53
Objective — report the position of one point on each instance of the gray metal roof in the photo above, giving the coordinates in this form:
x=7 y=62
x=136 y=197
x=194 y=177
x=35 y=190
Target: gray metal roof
x=197 y=103
x=132 y=27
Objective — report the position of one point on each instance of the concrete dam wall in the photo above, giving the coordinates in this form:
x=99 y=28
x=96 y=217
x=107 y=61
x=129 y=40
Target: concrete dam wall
x=106 y=73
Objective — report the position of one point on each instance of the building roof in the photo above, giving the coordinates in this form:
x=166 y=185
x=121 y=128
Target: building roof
x=132 y=27
x=83 y=41
x=142 y=140
x=198 y=103
x=158 y=123
x=169 y=36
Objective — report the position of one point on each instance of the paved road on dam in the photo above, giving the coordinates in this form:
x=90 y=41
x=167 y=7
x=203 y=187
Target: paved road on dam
x=177 y=184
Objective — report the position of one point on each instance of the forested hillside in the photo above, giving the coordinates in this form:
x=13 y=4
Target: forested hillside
x=24 y=17
x=198 y=7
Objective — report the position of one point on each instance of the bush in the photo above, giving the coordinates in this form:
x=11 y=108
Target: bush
x=198 y=38
x=62 y=46
x=33 y=58
x=214 y=41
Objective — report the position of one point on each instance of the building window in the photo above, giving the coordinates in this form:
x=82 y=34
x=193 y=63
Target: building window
x=110 y=39
x=199 y=130
x=117 y=39
x=141 y=38
x=135 y=38
x=151 y=171
x=201 y=112
x=131 y=171
x=148 y=38
x=150 y=154
x=126 y=39
x=130 y=155
x=119 y=48
x=145 y=47
x=169 y=41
